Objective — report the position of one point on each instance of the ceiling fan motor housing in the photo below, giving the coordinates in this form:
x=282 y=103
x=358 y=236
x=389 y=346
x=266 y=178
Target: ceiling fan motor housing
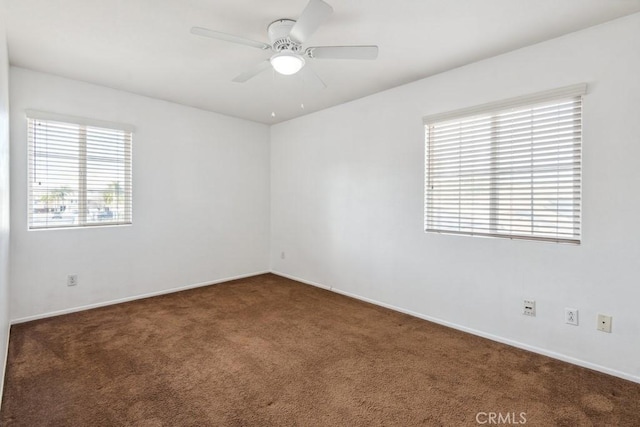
x=279 y=35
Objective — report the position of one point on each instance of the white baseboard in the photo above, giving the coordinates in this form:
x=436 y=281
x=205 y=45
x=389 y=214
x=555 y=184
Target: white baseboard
x=482 y=334
x=4 y=365
x=132 y=298
x=297 y=279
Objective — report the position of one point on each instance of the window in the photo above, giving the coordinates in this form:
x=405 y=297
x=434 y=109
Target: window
x=79 y=172
x=509 y=169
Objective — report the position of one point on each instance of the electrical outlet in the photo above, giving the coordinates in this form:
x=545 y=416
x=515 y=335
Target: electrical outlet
x=282 y=255
x=604 y=323
x=529 y=307
x=72 y=280
x=571 y=316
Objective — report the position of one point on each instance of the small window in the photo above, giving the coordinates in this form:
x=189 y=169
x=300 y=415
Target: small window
x=79 y=172
x=510 y=169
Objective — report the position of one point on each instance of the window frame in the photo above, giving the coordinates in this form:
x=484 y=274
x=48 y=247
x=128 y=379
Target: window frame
x=83 y=170
x=491 y=112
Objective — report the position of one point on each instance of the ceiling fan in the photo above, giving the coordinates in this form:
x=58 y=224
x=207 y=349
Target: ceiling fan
x=287 y=37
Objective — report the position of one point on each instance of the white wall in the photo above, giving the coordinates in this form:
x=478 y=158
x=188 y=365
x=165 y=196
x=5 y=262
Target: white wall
x=200 y=208
x=347 y=205
x=4 y=195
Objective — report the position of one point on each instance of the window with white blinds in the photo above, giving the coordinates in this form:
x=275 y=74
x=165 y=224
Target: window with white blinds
x=509 y=169
x=79 y=172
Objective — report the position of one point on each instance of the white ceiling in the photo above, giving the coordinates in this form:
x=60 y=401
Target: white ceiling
x=144 y=46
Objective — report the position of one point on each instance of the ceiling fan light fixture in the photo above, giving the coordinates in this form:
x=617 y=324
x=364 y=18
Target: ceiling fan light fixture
x=287 y=62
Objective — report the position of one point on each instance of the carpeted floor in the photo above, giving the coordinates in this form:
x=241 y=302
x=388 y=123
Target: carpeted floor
x=270 y=351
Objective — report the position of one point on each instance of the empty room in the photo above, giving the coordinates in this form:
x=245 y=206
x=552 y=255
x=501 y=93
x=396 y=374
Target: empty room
x=319 y=213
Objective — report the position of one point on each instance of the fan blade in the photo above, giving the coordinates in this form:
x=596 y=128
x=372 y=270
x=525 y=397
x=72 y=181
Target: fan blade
x=252 y=72
x=311 y=18
x=342 y=52
x=199 y=31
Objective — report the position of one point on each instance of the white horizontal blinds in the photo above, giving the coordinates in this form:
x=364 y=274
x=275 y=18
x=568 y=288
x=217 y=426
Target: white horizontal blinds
x=54 y=159
x=108 y=176
x=509 y=173
x=79 y=175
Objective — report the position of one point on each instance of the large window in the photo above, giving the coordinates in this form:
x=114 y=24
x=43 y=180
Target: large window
x=79 y=172
x=509 y=169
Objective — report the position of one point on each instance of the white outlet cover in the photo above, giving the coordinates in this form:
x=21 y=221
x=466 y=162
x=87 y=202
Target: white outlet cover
x=72 y=280
x=571 y=316
x=604 y=323
x=529 y=307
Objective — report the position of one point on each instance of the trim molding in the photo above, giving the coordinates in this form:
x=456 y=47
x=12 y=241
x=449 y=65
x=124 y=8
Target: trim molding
x=132 y=298
x=512 y=343
x=535 y=98
x=307 y=282
x=4 y=366
x=42 y=115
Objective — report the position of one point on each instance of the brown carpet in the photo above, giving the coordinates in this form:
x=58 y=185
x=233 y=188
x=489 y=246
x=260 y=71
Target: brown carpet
x=270 y=351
